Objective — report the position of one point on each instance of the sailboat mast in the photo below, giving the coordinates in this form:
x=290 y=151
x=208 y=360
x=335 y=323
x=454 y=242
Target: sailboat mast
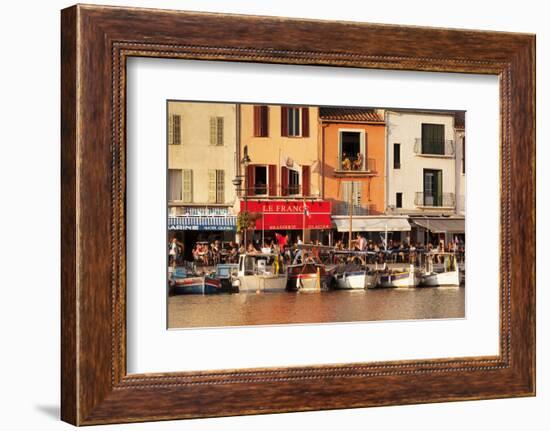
x=350 y=215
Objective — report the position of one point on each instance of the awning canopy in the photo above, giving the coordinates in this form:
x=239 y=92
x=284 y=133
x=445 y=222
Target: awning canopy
x=202 y=223
x=441 y=225
x=373 y=224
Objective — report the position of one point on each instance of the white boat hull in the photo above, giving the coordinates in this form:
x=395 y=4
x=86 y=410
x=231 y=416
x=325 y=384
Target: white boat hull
x=398 y=279
x=262 y=283
x=451 y=278
x=355 y=280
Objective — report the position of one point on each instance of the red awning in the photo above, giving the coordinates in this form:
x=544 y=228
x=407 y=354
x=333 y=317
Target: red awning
x=283 y=215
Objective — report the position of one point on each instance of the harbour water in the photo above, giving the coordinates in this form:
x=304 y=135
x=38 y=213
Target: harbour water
x=244 y=309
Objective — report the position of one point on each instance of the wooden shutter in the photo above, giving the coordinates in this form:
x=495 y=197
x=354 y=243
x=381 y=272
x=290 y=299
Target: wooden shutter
x=284 y=181
x=211 y=186
x=284 y=121
x=258 y=121
x=250 y=180
x=220 y=186
x=272 y=180
x=176 y=134
x=305 y=122
x=174 y=185
x=265 y=121
x=171 y=129
x=213 y=133
x=187 y=185
x=219 y=131
x=306 y=180
x=357 y=193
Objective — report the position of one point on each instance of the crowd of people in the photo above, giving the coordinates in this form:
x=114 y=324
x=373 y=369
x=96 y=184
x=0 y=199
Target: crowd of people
x=211 y=253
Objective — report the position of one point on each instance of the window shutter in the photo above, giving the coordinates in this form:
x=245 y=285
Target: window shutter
x=177 y=130
x=305 y=122
x=272 y=180
x=220 y=186
x=171 y=129
x=213 y=133
x=284 y=181
x=257 y=120
x=187 y=185
x=211 y=186
x=284 y=121
x=250 y=180
x=219 y=127
x=306 y=180
x=265 y=121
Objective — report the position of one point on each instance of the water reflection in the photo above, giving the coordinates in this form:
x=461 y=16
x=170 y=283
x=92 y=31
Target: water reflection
x=187 y=311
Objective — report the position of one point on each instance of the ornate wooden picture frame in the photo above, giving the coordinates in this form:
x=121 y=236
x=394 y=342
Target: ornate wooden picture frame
x=96 y=41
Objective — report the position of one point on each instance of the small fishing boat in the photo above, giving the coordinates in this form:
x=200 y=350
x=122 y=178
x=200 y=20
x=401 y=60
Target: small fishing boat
x=402 y=277
x=183 y=281
x=259 y=272
x=309 y=277
x=205 y=284
x=354 y=274
x=448 y=275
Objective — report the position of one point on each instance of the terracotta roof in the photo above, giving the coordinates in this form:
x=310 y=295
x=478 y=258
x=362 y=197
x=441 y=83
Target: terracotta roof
x=350 y=114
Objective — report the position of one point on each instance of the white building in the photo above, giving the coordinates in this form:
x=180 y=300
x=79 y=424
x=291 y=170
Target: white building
x=422 y=179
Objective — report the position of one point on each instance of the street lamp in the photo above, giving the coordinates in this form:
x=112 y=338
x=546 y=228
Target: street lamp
x=237 y=182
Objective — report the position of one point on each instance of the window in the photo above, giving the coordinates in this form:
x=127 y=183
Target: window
x=399 y=200
x=216 y=131
x=294 y=121
x=433 y=188
x=464 y=155
x=351 y=192
x=174 y=184
x=352 y=151
x=261 y=121
x=397 y=156
x=433 y=138
x=260 y=180
x=216 y=186
x=174 y=130
x=187 y=193
x=293 y=182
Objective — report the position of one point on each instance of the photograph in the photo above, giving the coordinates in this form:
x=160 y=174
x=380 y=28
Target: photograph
x=300 y=214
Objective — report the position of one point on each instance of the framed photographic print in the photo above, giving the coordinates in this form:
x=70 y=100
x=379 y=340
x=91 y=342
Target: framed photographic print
x=260 y=217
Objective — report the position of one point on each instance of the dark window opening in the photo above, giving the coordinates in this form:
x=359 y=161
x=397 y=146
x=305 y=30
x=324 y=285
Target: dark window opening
x=397 y=156
x=433 y=188
x=399 y=200
x=350 y=150
x=260 y=180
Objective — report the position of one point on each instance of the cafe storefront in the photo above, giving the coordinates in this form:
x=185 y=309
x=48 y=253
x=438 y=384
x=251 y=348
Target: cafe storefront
x=308 y=219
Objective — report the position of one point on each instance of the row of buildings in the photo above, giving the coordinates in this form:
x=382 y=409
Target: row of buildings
x=393 y=170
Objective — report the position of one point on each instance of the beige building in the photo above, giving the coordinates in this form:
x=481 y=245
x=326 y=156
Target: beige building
x=201 y=154
x=201 y=167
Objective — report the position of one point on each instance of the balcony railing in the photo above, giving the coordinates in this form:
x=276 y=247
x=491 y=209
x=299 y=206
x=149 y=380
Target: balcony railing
x=425 y=147
x=434 y=200
x=355 y=164
x=343 y=208
x=264 y=190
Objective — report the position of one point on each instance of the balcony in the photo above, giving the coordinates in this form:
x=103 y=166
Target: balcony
x=343 y=208
x=426 y=200
x=355 y=166
x=427 y=148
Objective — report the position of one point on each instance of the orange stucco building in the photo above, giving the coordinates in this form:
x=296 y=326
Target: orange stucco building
x=353 y=154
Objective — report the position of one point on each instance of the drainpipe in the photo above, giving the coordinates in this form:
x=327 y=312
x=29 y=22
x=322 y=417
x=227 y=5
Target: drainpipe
x=386 y=174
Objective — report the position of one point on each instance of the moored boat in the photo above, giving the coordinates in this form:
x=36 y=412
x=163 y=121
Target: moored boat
x=354 y=274
x=259 y=272
x=448 y=276
x=404 y=277
x=309 y=277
